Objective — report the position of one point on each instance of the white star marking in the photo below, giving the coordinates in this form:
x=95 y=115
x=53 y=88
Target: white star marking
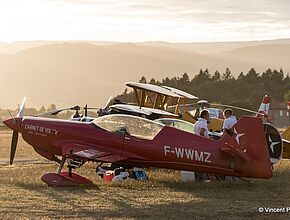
x=272 y=144
x=238 y=136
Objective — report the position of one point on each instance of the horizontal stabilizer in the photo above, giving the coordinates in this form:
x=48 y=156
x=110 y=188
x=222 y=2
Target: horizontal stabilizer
x=235 y=152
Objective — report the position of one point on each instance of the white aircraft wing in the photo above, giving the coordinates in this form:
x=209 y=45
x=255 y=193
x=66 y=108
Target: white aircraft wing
x=141 y=110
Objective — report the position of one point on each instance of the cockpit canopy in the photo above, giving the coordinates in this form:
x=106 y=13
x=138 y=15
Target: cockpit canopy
x=176 y=123
x=134 y=126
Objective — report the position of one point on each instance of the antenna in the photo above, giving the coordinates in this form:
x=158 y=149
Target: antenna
x=11 y=114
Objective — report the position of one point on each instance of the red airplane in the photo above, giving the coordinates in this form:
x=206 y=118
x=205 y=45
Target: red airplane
x=140 y=142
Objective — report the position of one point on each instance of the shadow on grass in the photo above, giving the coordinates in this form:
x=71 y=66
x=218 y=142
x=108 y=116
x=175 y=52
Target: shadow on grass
x=40 y=187
x=124 y=208
x=219 y=200
x=236 y=196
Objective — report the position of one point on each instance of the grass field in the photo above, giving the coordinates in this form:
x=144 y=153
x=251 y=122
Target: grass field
x=164 y=196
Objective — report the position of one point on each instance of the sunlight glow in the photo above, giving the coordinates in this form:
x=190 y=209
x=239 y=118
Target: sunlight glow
x=146 y=20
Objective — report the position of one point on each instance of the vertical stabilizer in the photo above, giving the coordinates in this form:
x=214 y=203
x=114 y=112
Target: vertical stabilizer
x=248 y=149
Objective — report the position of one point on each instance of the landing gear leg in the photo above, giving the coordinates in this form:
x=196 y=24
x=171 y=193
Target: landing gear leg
x=70 y=171
x=65 y=178
x=61 y=165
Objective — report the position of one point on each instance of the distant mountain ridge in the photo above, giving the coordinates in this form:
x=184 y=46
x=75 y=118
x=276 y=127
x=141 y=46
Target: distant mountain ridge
x=199 y=47
x=84 y=72
x=216 y=47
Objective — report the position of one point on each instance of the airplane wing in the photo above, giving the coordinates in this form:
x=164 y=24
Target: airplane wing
x=141 y=110
x=181 y=93
x=286 y=148
x=153 y=88
x=92 y=153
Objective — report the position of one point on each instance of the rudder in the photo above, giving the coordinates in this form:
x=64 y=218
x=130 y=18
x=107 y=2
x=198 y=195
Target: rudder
x=248 y=148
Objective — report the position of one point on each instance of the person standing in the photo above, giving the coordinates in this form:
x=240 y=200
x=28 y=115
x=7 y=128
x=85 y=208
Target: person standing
x=229 y=121
x=200 y=127
x=228 y=125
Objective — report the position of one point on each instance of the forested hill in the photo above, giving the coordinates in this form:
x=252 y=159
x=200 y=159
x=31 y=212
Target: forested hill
x=87 y=73
x=246 y=90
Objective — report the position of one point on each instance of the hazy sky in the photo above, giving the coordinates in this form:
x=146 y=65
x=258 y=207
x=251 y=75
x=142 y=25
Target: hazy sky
x=144 y=20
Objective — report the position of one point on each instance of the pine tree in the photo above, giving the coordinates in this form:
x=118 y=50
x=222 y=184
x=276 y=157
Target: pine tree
x=216 y=76
x=143 y=80
x=227 y=75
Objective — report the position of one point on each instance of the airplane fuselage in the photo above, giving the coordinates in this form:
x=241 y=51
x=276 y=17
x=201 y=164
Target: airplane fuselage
x=171 y=148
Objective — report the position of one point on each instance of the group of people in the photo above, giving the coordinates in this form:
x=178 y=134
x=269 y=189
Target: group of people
x=201 y=129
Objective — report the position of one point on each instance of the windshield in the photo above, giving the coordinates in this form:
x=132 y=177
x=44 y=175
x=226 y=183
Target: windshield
x=135 y=126
x=182 y=125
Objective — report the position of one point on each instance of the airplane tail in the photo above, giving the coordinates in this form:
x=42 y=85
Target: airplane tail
x=247 y=149
x=272 y=134
x=264 y=107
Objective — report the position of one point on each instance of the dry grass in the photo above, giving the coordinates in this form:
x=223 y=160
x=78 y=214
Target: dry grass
x=24 y=151
x=24 y=195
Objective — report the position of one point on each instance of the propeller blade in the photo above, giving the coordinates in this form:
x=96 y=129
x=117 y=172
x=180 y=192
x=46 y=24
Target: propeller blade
x=235 y=107
x=74 y=108
x=13 y=146
x=22 y=106
x=108 y=102
x=54 y=112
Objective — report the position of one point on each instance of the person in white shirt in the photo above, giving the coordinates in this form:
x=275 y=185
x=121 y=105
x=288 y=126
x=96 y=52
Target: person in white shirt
x=200 y=127
x=229 y=121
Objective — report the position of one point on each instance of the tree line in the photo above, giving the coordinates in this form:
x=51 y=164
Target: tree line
x=246 y=90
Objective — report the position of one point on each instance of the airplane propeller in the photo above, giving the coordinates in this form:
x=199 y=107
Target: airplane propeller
x=108 y=102
x=235 y=107
x=13 y=146
x=205 y=103
x=76 y=108
x=15 y=124
x=56 y=111
x=102 y=111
